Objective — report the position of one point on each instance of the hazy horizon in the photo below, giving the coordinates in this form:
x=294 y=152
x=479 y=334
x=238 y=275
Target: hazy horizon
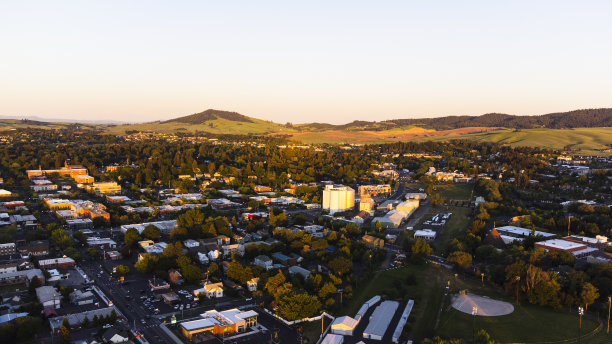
x=302 y=62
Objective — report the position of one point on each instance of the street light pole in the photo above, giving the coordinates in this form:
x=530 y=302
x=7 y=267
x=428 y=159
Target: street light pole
x=518 y=280
x=609 y=307
x=580 y=313
x=474 y=311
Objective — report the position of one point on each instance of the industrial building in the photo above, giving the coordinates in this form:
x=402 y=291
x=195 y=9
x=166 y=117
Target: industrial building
x=337 y=198
x=380 y=320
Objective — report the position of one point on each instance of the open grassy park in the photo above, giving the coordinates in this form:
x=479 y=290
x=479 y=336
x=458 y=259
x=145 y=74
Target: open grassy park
x=433 y=315
x=527 y=324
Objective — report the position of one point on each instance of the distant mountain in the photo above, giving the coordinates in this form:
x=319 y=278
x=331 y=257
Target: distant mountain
x=43 y=120
x=586 y=118
x=211 y=115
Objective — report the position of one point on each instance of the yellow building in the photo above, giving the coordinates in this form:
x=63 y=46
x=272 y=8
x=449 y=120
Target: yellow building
x=67 y=170
x=83 y=179
x=105 y=188
x=366 y=203
x=374 y=190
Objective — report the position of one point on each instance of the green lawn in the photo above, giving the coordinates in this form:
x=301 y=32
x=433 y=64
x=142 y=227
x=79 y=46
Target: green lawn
x=311 y=331
x=454 y=191
x=13 y=287
x=528 y=324
x=457 y=223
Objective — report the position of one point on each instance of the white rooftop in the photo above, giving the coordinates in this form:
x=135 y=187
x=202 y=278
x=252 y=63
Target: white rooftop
x=380 y=319
x=561 y=244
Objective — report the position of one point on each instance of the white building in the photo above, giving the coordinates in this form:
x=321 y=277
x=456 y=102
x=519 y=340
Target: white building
x=338 y=198
x=252 y=284
x=210 y=290
x=263 y=261
x=48 y=296
x=426 y=234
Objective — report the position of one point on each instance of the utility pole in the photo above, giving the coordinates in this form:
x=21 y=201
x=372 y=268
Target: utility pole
x=580 y=313
x=518 y=280
x=569 y=222
x=482 y=278
x=474 y=312
x=609 y=307
x=321 y=323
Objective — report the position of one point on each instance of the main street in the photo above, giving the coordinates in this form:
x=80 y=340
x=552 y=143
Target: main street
x=130 y=309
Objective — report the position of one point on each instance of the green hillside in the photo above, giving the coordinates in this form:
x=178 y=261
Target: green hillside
x=9 y=124
x=585 y=140
x=215 y=126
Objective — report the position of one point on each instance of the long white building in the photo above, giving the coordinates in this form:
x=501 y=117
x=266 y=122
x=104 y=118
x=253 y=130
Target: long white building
x=338 y=198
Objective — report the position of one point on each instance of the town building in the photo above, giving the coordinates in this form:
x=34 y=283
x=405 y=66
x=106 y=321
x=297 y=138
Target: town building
x=21 y=276
x=426 y=234
x=56 y=263
x=104 y=188
x=263 y=261
x=221 y=324
x=366 y=203
x=372 y=242
x=252 y=284
x=48 y=296
x=37 y=248
x=210 y=290
x=66 y=170
x=579 y=250
x=337 y=198
x=374 y=190
x=8 y=248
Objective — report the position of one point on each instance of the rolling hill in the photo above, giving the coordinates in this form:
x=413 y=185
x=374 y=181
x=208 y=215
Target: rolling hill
x=588 y=130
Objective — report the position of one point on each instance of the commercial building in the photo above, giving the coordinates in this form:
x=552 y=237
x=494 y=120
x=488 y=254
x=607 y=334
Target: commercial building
x=344 y=325
x=48 y=296
x=41 y=185
x=38 y=248
x=392 y=219
x=408 y=206
x=67 y=170
x=338 y=198
x=402 y=322
x=221 y=324
x=78 y=224
x=21 y=276
x=105 y=188
x=62 y=263
x=380 y=320
x=8 y=248
x=83 y=179
x=374 y=190
x=366 y=203
x=331 y=338
x=164 y=226
x=426 y=234
x=510 y=234
x=577 y=249
x=75 y=320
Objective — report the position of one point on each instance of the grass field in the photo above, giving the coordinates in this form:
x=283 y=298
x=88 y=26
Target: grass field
x=312 y=330
x=461 y=192
x=586 y=140
x=528 y=324
x=457 y=223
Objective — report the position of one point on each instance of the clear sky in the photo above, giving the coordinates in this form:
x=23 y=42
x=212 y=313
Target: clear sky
x=303 y=61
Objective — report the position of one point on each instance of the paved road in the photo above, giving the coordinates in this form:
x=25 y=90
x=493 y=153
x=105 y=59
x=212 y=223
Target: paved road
x=133 y=312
